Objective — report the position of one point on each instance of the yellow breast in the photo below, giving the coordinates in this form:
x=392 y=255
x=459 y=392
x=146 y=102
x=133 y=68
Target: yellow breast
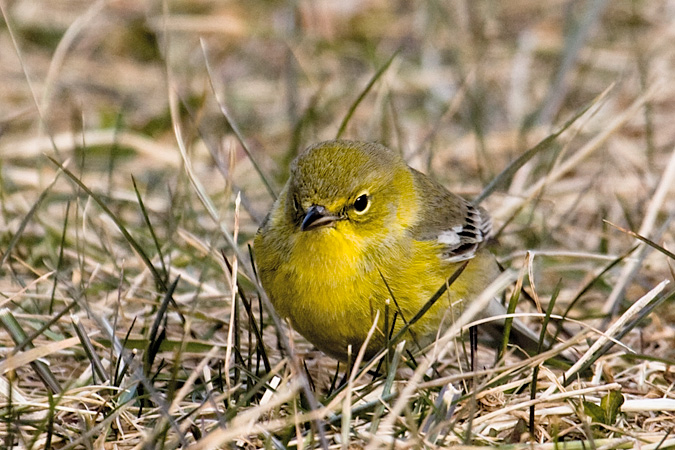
x=331 y=290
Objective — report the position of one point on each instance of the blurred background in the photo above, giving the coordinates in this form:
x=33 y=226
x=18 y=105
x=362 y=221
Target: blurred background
x=469 y=87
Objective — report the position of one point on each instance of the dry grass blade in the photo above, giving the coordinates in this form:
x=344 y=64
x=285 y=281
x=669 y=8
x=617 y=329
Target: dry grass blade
x=68 y=143
x=441 y=347
x=210 y=207
x=24 y=289
x=35 y=354
x=579 y=393
x=234 y=314
x=11 y=392
x=66 y=42
x=204 y=198
x=580 y=31
x=347 y=402
x=586 y=288
x=230 y=121
x=615 y=330
x=647 y=241
x=157 y=112
x=409 y=323
x=608 y=443
x=260 y=346
x=387 y=387
x=189 y=383
x=19 y=336
x=161 y=282
x=24 y=222
x=583 y=153
x=667 y=181
x=15 y=45
x=248 y=422
x=505 y=176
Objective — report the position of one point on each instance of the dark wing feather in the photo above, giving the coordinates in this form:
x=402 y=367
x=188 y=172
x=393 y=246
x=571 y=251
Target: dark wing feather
x=459 y=226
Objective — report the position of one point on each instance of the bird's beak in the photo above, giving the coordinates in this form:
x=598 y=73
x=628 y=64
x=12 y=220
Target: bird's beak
x=317 y=216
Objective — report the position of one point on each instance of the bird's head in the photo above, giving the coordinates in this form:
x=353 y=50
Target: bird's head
x=355 y=188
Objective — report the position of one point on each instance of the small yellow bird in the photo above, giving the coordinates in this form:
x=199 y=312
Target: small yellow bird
x=355 y=226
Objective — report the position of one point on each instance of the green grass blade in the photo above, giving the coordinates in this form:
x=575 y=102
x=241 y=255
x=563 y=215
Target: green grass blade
x=89 y=350
x=24 y=222
x=19 y=336
x=362 y=95
x=146 y=218
x=159 y=280
x=505 y=176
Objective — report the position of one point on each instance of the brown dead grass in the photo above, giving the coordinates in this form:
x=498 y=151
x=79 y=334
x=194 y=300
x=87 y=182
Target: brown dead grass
x=91 y=88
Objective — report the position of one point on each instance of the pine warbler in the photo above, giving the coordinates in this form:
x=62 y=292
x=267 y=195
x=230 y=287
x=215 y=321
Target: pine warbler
x=355 y=226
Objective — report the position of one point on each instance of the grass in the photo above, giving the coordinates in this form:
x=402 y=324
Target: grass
x=141 y=146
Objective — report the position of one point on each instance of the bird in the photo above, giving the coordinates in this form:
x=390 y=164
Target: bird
x=356 y=230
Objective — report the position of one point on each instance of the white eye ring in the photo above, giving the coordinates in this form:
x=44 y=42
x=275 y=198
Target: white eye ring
x=362 y=203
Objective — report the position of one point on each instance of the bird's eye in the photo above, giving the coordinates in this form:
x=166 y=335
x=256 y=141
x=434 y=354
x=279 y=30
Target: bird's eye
x=361 y=203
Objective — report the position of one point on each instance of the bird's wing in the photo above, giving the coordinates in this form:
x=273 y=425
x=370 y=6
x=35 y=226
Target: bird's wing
x=459 y=226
